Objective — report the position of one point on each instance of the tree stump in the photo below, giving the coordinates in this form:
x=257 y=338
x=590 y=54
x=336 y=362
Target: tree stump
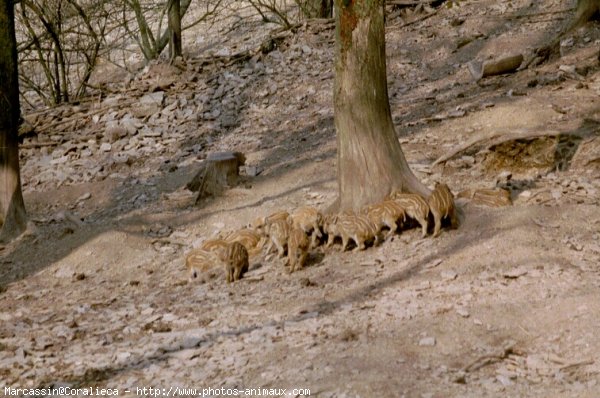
x=220 y=171
x=498 y=66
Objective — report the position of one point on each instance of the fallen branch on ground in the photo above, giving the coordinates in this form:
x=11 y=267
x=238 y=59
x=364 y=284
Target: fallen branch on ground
x=422 y=18
x=499 y=137
x=486 y=360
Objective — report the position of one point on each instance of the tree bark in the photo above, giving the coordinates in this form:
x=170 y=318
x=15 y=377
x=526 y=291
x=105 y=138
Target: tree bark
x=370 y=160
x=174 y=11
x=318 y=8
x=585 y=11
x=12 y=208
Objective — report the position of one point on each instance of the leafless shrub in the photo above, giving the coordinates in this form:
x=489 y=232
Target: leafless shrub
x=59 y=42
x=149 y=28
x=287 y=13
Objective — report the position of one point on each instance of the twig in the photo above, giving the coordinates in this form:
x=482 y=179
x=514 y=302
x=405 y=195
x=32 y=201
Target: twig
x=321 y=21
x=485 y=360
x=422 y=18
x=592 y=160
x=167 y=242
x=482 y=361
x=536 y=14
x=568 y=364
x=546 y=201
x=243 y=55
x=535 y=195
x=543 y=225
x=524 y=331
x=406 y=3
x=545 y=20
x=577 y=364
x=90 y=113
x=39 y=144
x=253 y=278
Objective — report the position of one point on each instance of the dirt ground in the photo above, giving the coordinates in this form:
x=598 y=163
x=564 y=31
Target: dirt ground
x=507 y=305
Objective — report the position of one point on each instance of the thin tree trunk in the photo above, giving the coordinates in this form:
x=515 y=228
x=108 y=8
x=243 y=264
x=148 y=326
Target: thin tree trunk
x=317 y=8
x=12 y=208
x=326 y=9
x=146 y=38
x=174 y=12
x=370 y=160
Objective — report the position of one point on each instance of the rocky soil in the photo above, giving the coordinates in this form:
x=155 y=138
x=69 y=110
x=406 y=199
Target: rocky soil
x=508 y=304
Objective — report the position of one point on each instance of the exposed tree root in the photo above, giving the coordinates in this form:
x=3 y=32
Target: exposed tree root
x=585 y=11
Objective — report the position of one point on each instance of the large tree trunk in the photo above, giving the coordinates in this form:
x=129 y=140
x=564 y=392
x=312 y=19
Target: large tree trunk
x=370 y=160
x=586 y=10
x=174 y=11
x=12 y=209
